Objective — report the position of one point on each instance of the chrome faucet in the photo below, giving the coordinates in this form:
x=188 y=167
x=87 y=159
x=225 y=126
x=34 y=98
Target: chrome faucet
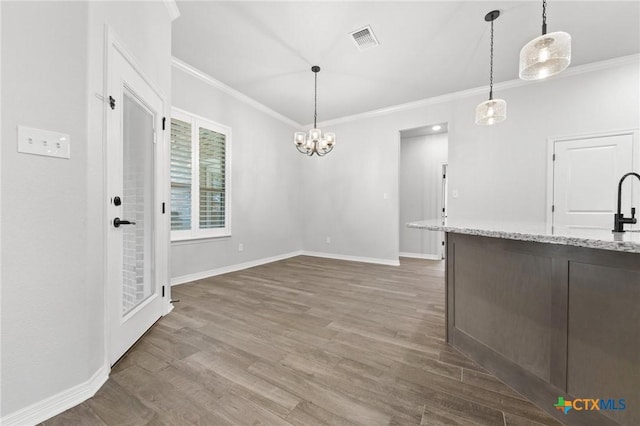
x=618 y=219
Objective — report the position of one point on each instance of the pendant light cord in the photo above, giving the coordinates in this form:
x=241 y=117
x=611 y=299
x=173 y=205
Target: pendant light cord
x=315 y=101
x=544 y=17
x=491 y=66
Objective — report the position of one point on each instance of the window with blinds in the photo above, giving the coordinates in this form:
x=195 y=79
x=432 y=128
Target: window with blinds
x=199 y=177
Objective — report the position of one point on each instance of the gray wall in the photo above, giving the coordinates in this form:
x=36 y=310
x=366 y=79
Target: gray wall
x=267 y=182
x=421 y=160
x=53 y=328
x=44 y=214
x=344 y=196
x=499 y=171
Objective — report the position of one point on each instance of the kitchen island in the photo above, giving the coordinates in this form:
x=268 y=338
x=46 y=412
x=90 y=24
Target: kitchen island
x=551 y=315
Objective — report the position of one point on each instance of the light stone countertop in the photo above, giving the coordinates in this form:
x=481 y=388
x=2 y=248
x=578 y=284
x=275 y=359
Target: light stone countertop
x=536 y=232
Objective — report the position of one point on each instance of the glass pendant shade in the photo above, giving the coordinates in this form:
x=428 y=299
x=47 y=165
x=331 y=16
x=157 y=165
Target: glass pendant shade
x=491 y=112
x=545 y=56
x=315 y=135
x=300 y=138
x=330 y=138
x=494 y=110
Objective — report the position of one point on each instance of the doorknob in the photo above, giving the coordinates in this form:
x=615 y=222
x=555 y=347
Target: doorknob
x=117 y=222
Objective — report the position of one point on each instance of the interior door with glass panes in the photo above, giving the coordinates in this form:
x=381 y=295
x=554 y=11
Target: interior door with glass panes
x=134 y=124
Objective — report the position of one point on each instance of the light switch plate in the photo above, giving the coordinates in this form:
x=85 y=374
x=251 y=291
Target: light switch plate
x=43 y=142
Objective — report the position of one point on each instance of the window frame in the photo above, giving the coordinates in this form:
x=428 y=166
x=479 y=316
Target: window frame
x=196 y=232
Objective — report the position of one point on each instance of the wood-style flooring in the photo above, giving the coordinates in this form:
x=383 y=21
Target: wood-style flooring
x=305 y=341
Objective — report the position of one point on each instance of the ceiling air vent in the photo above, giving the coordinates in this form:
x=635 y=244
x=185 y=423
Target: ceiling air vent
x=364 y=38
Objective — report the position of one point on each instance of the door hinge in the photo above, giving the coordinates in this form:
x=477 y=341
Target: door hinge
x=554 y=157
x=112 y=102
x=162 y=291
x=164 y=121
x=553 y=208
x=443 y=210
x=162 y=208
x=444 y=176
x=443 y=243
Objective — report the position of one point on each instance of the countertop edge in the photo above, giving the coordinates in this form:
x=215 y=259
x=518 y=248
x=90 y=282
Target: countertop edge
x=621 y=246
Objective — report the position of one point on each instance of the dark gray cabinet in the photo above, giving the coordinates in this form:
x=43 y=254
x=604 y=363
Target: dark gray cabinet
x=551 y=321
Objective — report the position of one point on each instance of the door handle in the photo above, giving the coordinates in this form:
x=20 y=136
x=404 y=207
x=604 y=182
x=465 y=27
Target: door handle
x=117 y=222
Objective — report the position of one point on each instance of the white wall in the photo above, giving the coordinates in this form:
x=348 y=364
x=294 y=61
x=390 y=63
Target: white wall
x=1 y=138
x=345 y=191
x=267 y=183
x=44 y=293
x=52 y=210
x=421 y=159
x=499 y=171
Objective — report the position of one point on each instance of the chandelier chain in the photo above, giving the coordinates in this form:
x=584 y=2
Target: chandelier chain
x=544 y=17
x=315 y=101
x=491 y=66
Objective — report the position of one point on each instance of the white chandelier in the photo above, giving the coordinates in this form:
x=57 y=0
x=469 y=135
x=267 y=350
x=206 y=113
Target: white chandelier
x=315 y=142
x=491 y=111
x=546 y=55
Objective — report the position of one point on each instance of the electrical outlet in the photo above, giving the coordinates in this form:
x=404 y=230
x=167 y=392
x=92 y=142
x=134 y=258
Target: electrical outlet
x=328 y=240
x=240 y=247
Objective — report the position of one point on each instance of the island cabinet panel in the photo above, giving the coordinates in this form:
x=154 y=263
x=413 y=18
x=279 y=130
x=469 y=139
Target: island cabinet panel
x=503 y=299
x=604 y=337
x=550 y=320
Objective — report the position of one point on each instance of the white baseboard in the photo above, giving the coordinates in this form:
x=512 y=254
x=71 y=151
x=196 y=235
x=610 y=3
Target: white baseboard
x=231 y=268
x=390 y=262
x=240 y=266
x=421 y=256
x=56 y=404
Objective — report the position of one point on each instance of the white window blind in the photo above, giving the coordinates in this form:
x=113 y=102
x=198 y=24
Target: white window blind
x=212 y=185
x=200 y=181
x=180 y=175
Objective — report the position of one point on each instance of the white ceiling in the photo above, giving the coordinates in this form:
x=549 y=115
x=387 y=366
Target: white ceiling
x=266 y=49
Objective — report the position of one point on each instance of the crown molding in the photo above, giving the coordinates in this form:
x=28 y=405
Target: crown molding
x=570 y=72
x=476 y=91
x=172 y=8
x=183 y=66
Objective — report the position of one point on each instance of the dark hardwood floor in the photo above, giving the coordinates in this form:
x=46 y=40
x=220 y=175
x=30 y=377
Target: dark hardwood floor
x=305 y=341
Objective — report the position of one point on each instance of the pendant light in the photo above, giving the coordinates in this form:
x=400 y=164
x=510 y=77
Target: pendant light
x=546 y=55
x=314 y=143
x=494 y=110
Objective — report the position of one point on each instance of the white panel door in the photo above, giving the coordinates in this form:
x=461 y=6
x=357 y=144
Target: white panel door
x=585 y=183
x=134 y=289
